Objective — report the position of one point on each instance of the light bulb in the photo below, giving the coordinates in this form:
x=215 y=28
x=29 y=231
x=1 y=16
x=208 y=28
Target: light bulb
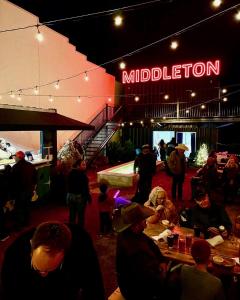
x=216 y=3
x=50 y=99
x=36 y=90
x=39 y=35
x=86 y=77
x=166 y=97
x=56 y=85
x=136 y=98
x=237 y=16
x=118 y=20
x=79 y=99
x=122 y=65
x=174 y=45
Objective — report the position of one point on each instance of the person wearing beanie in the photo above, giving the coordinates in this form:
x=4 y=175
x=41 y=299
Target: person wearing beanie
x=195 y=282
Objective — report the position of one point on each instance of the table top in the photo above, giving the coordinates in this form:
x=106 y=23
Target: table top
x=228 y=249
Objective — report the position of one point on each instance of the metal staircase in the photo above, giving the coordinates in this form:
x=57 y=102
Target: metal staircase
x=106 y=124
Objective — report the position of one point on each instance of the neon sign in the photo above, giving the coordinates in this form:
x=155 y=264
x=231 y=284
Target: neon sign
x=198 y=69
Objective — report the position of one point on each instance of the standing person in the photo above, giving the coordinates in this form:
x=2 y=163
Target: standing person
x=4 y=197
x=177 y=166
x=105 y=209
x=145 y=166
x=78 y=192
x=24 y=180
x=53 y=261
x=162 y=150
x=194 y=282
x=171 y=146
x=139 y=262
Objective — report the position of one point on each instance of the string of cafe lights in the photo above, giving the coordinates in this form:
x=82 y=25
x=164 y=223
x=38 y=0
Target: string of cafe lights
x=86 y=72
x=187 y=110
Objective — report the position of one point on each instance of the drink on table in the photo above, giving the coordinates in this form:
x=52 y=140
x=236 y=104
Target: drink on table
x=170 y=241
x=181 y=244
x=189 y=238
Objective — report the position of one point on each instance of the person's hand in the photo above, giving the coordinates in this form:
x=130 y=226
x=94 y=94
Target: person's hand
x=159 y=207
x=224 y=234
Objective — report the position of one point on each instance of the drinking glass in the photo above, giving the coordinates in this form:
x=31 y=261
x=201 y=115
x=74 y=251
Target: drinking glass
x=181 y=244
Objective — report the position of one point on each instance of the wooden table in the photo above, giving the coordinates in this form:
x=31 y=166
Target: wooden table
x=228 y=248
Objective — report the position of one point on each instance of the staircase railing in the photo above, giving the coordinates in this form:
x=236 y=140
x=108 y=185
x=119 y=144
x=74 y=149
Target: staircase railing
x=99 y=120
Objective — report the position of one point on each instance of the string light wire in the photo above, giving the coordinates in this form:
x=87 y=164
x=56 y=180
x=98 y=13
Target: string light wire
x=181 y=31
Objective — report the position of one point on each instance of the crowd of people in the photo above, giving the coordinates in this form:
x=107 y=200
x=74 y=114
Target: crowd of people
x=56 y=260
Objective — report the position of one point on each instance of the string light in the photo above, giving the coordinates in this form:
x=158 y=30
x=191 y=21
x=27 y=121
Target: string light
x=86 y=78
x=136 y=98
x=50 y=98
x=166 y=97
x=203 y=106
x=109 y=99
x=12 y=95
x=224 y=91
x=39 y=35
x=152 y=121
x=141 y=122
x=174 y=45
x=131 y=123
x=56 y=85
x=164 y=117
x=193 y=94
x=36 y=90
x=19 y=98
x=122 y=65
x=118 y=20
x=122 y=124
x=187 y=111
x=134 y=51
x=216 y=3
x=237 y=16
x=79 y=99
x=225 y=99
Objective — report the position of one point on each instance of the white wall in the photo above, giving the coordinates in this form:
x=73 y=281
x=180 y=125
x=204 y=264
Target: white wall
x=24 y=62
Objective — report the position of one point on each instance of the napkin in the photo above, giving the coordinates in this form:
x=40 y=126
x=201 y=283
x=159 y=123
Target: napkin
x=163 y=235
x=216 y=240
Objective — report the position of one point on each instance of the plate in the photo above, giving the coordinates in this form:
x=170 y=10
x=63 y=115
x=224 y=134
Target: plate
x=224 y=262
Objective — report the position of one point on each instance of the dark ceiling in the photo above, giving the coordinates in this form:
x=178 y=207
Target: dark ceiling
x=97 y=38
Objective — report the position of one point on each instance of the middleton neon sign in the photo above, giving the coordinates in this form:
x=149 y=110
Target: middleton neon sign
x=198 y=69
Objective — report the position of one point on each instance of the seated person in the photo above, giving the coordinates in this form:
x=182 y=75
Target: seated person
x=194 y=282
x=139 y=262
x=53 y=261
x=209 y=216
x=163 y=208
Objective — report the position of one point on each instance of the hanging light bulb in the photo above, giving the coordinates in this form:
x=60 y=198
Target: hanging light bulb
x=50 y=98
x=19 y=98
x=216 y=3
x=109 y=99
x=225 y=99
x=86 y=76
x=141 y=122
x=79 y=99
x=39 y=35
x=36 y=90
x=122 y=65
x=131 y=123
x=187 y=111
x=56 y=85
x=152 y=121
x=193 y=94
x=12 y=95
x=122 y=124
x=166 y=97
x=136 y=98
x=118 y=20
x=237 y=16
x=164 y=118
x=203 y=106
x=224 y=91
x=174 y=45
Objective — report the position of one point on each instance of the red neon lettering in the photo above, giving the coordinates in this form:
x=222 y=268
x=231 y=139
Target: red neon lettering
x=128 y=79
x=199 y=69
x=156 y=74
x=176 y=72
x=186 y=68
x=137 y=76
x=165 y=75
x=213 y=68
x=145 y=75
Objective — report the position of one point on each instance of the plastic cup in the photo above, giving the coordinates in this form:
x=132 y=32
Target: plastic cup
x=189 y=239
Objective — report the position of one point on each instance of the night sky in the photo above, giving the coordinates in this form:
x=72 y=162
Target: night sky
x=97 y=37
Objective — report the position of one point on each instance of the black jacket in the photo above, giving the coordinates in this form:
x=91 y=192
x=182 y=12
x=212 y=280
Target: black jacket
x=79 y=277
